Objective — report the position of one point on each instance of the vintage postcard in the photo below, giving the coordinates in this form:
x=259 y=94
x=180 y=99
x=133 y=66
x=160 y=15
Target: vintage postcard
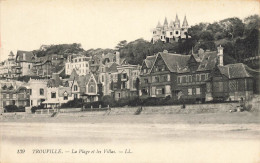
x=129 y=81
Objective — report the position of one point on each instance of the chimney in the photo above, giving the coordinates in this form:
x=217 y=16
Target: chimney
x=220 y=56
x=118 y=58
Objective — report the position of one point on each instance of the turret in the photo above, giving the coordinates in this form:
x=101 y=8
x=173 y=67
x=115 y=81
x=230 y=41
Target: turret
x=185 y=23
x=177 y=22
x=165 y=24
x=159 y=25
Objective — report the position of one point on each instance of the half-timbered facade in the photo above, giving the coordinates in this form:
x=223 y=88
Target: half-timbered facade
x=197 y=77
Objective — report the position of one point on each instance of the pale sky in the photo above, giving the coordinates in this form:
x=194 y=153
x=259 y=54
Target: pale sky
x=28 y=24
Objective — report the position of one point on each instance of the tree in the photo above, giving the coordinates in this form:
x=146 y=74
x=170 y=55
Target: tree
x=121 y=44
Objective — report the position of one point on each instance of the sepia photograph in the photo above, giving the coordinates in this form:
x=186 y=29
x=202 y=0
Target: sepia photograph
x=149 y=81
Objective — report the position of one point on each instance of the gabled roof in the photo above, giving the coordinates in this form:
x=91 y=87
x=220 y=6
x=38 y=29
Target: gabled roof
x=74 y=75
x=209 y=61
x=62 y=90
x=149 y=61
x=112 y=67
x=233 y=71
x=55 y=81
x=175 y=62
x=24 y=56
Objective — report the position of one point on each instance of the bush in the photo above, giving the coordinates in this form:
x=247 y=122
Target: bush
x=76 y=103
x=108 y=100
x=34 y=108
x=14 y=108
x=94 y=104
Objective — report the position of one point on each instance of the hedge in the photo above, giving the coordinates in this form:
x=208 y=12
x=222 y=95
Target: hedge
x=14 y=108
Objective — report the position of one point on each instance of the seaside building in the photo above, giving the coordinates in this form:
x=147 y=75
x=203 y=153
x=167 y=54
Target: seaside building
x=171 y=32
x=78 y=62
x=197 y=77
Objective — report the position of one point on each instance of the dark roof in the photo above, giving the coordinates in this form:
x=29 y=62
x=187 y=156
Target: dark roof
x=112 y=67
x=149 y=61
x=62 y=90
x=55 y=81
x=232 y=71
x=74 y=75
x=24 y=56
x=208 y=61
x=175 y=62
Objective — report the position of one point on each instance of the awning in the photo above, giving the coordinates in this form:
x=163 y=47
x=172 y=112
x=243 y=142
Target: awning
x=51 y=102
x=89 y=94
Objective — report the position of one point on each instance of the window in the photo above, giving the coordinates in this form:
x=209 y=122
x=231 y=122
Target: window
x=29 y=66
x=92 y=89
x=179 y=79
x=31 y=102
x=118 y=95
x=168 y=77
x=145 y=70
x=11 y=95
x=189 y=91
x=158 y=91
x=163 y=67
x=203 y=77
x=144 y=91
x=184 y=79
x=207 y=76
x=102 y=78
x=75 y=96
x=65 y=96
x=190 y=78
x=53 y=94
x=170 y=33
x=197 y=91
x=177 y=32
x=75 y=88
x=123 y=85
x=164 y=78
x=86 y=65
x=41 y=91
x=75 y=60
x=124 y=76
x=198 y=77
x=156 y=79
x=163 y=91
x=7 y=95
x=80 y=60
x=145 y=81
